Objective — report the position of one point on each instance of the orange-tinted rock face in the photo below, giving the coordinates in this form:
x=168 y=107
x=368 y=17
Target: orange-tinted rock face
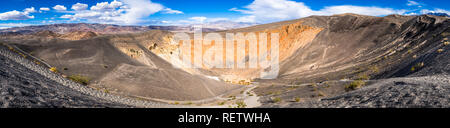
x=291 y=38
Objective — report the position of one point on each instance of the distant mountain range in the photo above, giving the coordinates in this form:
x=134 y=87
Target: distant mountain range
x=438 y=14
x=114 y=29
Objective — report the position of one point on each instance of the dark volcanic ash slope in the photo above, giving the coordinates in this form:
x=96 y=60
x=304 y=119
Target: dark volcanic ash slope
x=22 y=87
x=407 y=92
x=404 y=61
x=25 y=83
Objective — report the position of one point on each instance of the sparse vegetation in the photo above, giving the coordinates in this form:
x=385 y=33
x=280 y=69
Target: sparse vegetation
x=276 y=99
x=417 y=66
x=374 y=69
x=363 y=77
x=413 y=69
x=313 y=85
x=355 y=85
x=241 y=104
x=188 y=103
x=320 y=93
x=65 y=69
x=277 y=93
x=232 y=97
x=221 y=103
x=79 y=79
x=133 y=51
x=297 y=99
x=54 y=69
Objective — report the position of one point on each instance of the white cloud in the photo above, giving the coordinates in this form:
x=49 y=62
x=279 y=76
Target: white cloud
x=10 y=25
x=138 y=9
x=412 y=3
x=66 y=16
x=217 y=19
x=171 y=11
x=29 y=10
x=17 y=15
x=436 y=10
x=199 y=19
x=79 y=6
x=60 y=8
x=44 y=9
x=118 y=12
x=104 y=6
x=373 y=11
x=276 y=10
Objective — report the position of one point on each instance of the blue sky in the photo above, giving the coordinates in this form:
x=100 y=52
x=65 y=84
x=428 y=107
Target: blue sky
x=180 y=12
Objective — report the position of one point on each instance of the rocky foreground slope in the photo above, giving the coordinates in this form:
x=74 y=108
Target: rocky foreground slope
x=23 y=83
x=407 y=92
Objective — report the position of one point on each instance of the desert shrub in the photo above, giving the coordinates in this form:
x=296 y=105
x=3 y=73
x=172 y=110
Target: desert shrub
x=276 y=99
x=277 y=93
x=241 y=104
x=313 y=85
x=355 y=85
x=297 y=99
x=374 y=69
x=106 y=90
x=320 y=93
x=417 y=66
x=54 y=69
x=363 y=77
x=79 y=79
x=221 y=103
x=413 y=69
x=232 y=97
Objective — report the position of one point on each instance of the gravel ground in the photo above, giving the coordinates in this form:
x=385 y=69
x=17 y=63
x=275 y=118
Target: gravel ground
x=408 y=92
x=25 y=84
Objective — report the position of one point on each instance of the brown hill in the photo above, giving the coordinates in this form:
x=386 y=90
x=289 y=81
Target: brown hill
x=121 y=64
x=78 y=35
